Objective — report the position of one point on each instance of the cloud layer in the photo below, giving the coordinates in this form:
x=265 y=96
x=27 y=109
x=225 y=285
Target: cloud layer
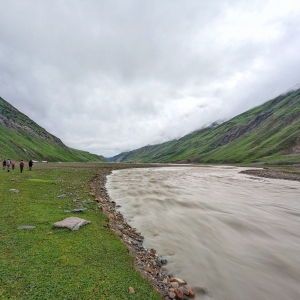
x=110 y=76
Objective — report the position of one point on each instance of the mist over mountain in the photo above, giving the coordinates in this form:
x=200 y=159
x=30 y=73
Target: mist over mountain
x=268 y=132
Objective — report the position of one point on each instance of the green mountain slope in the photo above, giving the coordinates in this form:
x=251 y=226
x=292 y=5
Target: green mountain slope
x=265 y=133
x=22 y=138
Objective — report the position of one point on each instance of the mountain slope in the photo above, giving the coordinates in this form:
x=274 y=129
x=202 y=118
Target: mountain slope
x=22 y=138
x=269 y=130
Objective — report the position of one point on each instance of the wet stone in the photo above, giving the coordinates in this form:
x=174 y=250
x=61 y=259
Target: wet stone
x=175 y=284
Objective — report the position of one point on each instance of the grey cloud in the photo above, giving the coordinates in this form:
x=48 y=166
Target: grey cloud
x=108 y=76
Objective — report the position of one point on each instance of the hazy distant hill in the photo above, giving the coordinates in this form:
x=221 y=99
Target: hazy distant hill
x=270 y=132
x=22 y=138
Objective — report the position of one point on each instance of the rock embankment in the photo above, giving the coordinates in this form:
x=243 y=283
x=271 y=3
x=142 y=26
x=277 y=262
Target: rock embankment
x=275 y=173
x=146 y=261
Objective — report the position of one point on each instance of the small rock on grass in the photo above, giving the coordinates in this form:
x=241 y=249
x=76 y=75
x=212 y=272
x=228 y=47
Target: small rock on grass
x=14 y=190
x=26 y=227
x=61 y=196
x=131 y=290
x=78 y=210
x=72 y=223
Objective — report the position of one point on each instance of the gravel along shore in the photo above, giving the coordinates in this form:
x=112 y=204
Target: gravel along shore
x=146 y=261
x=292 y=173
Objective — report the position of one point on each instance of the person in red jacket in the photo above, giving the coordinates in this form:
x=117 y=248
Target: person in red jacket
x=13 y=165
x=22 y=164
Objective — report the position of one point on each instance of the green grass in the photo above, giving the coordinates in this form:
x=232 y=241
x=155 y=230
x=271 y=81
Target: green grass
x=22 y=138
x=52 y=263
x=17 y=145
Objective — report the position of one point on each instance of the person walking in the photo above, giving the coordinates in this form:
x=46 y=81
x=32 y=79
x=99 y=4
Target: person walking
x=22 y=164
x=30 y=163
x=4 y=164
x=13 y=165
x=8 y=163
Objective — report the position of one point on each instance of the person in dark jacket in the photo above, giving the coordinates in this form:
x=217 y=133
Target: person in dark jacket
x=30 y=163
x=4 y=164
x=22 y=164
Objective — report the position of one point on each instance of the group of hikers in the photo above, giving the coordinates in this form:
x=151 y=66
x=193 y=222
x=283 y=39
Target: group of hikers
x=7 y=163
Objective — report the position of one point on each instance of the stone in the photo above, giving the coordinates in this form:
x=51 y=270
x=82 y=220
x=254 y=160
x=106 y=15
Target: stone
x=72 y=223
x=175 y=284
x=163 y=261
x=180 y=281
x=160 y=277
x=179 y=294
x=186 y=291
x=172 y=295
x=152 y=252
x=25 y=227
x=61 y=196
x=131 y=290
x=111 y=216
x=78 y=210
x=14 y=190
x=119 y=233
x=67 y=211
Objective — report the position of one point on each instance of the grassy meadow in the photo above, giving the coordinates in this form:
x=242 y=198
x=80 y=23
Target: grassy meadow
x=53 y=263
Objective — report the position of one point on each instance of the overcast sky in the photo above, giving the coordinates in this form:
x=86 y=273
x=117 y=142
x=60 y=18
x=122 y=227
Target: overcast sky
x=110 y=76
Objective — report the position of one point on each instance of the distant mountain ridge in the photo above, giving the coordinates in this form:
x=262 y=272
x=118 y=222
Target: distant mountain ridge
x=269 y=131
x=22 y=138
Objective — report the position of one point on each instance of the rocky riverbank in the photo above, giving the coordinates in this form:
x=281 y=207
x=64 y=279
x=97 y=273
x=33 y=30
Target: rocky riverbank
x=146 y=261
x=290 y=173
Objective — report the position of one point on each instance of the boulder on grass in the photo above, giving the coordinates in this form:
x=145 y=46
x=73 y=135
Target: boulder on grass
x=72 y=223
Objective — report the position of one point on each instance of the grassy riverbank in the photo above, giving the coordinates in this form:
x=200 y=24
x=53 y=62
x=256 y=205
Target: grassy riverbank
x=52 y=263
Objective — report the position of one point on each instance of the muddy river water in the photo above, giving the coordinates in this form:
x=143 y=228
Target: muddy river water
x=236 y=235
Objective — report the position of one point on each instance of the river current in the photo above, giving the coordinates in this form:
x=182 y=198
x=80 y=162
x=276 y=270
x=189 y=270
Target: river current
x=234 y=234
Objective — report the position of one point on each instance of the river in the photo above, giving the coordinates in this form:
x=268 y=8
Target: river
x=234 y=234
